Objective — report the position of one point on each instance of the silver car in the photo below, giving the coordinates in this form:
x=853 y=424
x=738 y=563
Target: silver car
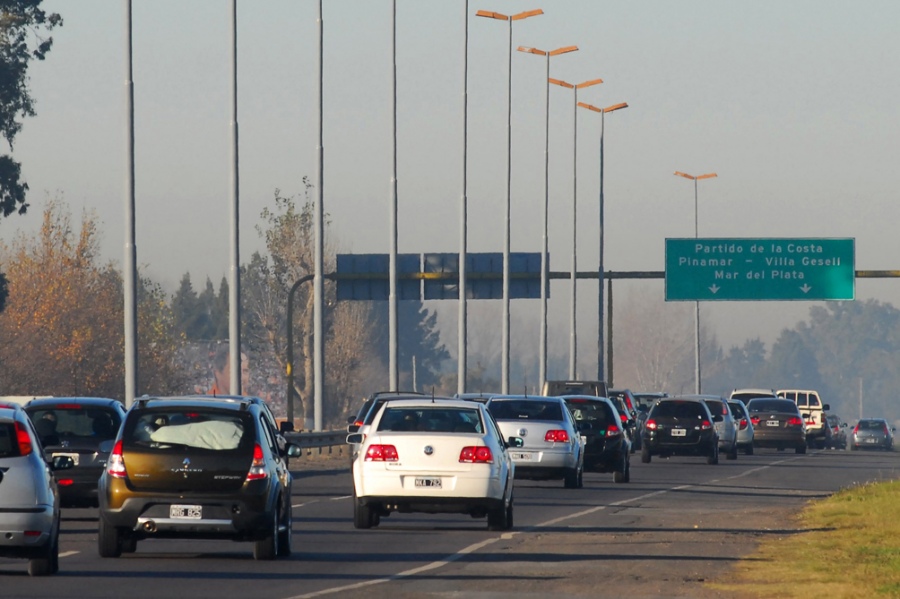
x=28 y=493
x=744 y=425
x=552 y=446
x=872 y=433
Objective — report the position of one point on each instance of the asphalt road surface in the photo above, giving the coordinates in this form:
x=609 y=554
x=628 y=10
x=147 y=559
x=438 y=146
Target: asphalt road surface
x=679 y=523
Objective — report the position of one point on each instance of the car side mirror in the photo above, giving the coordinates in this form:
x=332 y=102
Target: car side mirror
x=352 y=428
x=62 y=462
x=292 y=450
x=826 y=407
x=355 y=438
x=515 y=442
x=285 y=427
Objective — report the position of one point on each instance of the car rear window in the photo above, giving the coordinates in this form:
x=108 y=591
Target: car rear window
x=716 y=407
x=195 y=428
x=595 y=412
x=9 y=444
x=871 y=425
x=73 y=420
x=772 y=405
x=737 y=410
x=435 y=420
x=678 y=409
x=526 y=409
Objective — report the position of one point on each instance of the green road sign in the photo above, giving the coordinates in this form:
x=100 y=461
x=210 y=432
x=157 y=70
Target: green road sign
x=759 y=269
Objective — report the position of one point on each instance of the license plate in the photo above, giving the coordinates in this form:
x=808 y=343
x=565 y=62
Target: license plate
x=679 y=432
x=772 y=423
x=74 y=456
x=871 y=440
x=431 y=483
x=522 y=456
x=186 y=512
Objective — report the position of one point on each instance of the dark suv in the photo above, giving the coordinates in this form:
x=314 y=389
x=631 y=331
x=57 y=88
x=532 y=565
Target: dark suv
x=193 y=467
x=680 y=426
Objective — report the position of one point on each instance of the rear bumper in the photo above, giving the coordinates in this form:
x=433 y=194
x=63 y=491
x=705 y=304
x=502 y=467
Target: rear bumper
x=476 y=506
x=13 y=524
x=779 y=439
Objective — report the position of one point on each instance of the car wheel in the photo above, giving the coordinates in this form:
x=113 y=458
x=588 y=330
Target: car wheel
x=47 y=563
x=645 y=455
x=363 y=516
x=497 y=518
x=801 y=449
x=713 y=457
x=129 y=544
x=570 y=481
x=266 y=549
x=109 y=540
x=285 y=532
x=748 y=450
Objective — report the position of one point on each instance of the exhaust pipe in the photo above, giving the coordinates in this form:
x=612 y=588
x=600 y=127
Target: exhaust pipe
x=149 y=526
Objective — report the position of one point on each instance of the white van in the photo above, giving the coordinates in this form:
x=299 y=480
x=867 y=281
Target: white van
x=813 y=411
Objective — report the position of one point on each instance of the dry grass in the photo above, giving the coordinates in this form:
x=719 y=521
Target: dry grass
x=846 y=546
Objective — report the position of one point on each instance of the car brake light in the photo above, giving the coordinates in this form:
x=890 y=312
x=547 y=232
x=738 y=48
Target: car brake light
x=258 y=465
x=650 y=424
x=754 y=420
x=743 y=423
x=855 y=429
x=24 y=439
x=476 y=455
x=65 y=482
x=705 y=425
x=357 y=423
x=612 y=430
x=623 y=418
x=556 y=436
x=68 y=406
x=32 y=533
x=115 y=466
x=382 y=453
x=795 y=421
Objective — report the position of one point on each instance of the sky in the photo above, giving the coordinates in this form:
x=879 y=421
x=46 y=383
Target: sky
x=793 y=105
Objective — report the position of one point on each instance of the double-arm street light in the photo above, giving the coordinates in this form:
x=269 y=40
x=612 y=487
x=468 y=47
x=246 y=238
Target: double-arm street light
x=573 y=336
x=545 y=267
x=697 y=386
x=601 y=374
x=509 y=19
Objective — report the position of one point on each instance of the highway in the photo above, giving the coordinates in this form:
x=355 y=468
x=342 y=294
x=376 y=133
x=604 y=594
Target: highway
x=680 y=522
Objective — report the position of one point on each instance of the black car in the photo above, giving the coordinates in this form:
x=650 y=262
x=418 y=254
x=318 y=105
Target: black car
x=777 y=423
x=680 y=426
x=644 y=401
x=607 y=447
x=626 y=403
x=82 y=428
x=200 y=468
x=366 y=414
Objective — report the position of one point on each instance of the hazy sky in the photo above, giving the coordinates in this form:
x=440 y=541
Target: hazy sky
x=793 y=104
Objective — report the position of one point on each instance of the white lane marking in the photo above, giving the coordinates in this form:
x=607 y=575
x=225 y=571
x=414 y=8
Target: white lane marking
x=509 y=535
x=68 y=553
x=341 y=497
x=305 y=503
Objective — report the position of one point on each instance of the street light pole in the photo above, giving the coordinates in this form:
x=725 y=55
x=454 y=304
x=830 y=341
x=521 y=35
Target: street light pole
x=573 y=316
x=600 y=370
x=504 y=376
x=697 y=385
x=545 y=267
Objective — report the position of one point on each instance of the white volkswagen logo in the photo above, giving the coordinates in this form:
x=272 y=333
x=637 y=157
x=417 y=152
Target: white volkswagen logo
x=523 y=432
x=429 y=450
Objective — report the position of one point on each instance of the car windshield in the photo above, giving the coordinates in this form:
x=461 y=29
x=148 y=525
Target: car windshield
x=772 y=405
x=197 y=429
x=678 y=409
x=426 y=419
x=526 y=409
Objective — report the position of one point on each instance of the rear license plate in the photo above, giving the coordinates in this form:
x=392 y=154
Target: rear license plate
x=522 y=456
x=871 y=440
x=679 y=432
x=431 y=483
x=771 y=423
x=74 y=456
x=186 y=512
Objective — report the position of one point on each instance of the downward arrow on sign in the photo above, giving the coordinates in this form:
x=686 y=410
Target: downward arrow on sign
x=805 y=288
x=714 y=288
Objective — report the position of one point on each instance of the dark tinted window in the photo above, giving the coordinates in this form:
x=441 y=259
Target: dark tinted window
x=737 y=411
x=872 y=425
x=436 y=420
x=772 y=405
x=197 y=428
x=595 y=412
x=678 y=409
x=716 y=408
x=9 y=444
x=71 y=420
x=525 y=409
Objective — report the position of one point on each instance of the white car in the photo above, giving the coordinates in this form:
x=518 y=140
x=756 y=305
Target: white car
x=28 y=494
x=553 y=448
x=434 y=456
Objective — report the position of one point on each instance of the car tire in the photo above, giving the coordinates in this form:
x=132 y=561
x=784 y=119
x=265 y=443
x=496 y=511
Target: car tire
x=266 y=549
x=800 y=449
x=129 y=544
x=732 y=455
x=363 y=516
x=645 y=455
x=49 y=562
x=500 y=518
x=109 y=539
x=570 y=480
x=286 y=532
x=748 y=450
x=713 y=458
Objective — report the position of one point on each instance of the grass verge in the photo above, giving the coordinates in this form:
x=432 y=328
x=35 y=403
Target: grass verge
x=846 y=546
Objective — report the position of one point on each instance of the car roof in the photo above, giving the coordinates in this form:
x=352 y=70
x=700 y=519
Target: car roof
x=425 y=402
x=529 y=397
x=206 y=401
x=86 y=401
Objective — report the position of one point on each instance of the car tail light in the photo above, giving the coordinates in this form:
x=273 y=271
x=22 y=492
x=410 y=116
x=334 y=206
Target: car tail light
x=650 y=424
x=476 y=455
x=754 y=420
x=68 y=406
x=32 y=533
x=382 y=453
x=115 y=466
x=258 y=465
x=855 y=429
x=795 y=421
x=556 y=436
x=24 y=439
x=612 y=430
x=357 y=423
x=705 y=425
x=743 y=423
x=65 y=482
x=623 y=418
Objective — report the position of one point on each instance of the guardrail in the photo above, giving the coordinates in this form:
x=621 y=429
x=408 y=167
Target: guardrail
x=320 y=443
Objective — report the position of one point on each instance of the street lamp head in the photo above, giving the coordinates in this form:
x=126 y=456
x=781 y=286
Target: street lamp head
x=531 y=50
x=526 y=14
x=491 y=15
x=707 y=176
x=615 y=107
x=563 y=50
x=588 y=83
x=560 y=83
x=540 y=52
x=697 y=178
